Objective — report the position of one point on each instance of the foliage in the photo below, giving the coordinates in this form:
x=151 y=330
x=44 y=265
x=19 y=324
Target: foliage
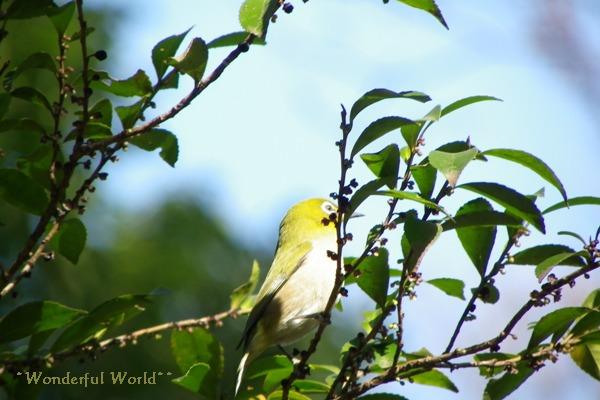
x=48 y=172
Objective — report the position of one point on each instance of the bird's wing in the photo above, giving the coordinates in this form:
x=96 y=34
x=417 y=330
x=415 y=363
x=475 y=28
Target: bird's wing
x=286 y=262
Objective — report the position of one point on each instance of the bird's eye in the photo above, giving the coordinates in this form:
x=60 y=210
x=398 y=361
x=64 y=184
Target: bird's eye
x=328 y=207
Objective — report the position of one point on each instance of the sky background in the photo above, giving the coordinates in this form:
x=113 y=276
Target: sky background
x=261 y=137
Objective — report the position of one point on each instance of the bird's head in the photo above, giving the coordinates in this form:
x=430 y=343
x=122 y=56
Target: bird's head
x=309 y=219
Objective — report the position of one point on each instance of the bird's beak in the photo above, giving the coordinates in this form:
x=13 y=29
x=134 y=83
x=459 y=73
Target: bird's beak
x=357 y=215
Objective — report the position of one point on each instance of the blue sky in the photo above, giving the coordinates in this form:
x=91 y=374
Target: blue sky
x=261 y=138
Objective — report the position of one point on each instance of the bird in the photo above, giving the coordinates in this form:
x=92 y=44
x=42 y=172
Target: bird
x=300 y=281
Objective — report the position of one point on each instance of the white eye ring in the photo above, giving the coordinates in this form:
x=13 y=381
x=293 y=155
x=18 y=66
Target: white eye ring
x=327 y=207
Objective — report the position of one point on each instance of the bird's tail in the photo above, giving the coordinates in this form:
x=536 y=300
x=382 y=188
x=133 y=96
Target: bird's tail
x=241 y=369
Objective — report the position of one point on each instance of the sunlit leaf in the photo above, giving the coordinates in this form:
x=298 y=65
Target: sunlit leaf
x=193 y=61
x=575 y=201
x=544 y=267
x=465 y=102
x=537 y=254
x=256 y=14
x=452 y=287
x=429 y=6
x=240 y=295
x=233 y=39
x=451 y=164
x=194 y=378
x=384 y=164
x=376 y=95
x=556 y=321
x=164 y=50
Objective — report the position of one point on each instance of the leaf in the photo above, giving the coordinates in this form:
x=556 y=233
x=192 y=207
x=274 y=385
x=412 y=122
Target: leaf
x=481 y=218
x=263 y=365
x=21 y=124
x=587 y=357
x=573 y=234
x=451 y=164
x=240 y=295
x=478 y=241
x=162 y=138
x=136 y=85
x=452 y=287
x=233 y=39
x=403 y=195
x=25 y=9
x=102 y=112
x=97 y=322
x=277 y=395
x=592 y=300
x=71 y=239
x=498 y=389
x=61 y=17
x=532 y=162
x=4 y=105
x=376 y=130
x=93 y=131
x=513 y=201
x=435 y=378
x=164 y=50
x=425 y=176
x=420 y=235
x=433 y=115
x=129 y=114
x=428 y=6
x=193 y=61
x=544 y=267
x=310 y=386
x=382 y=396
x=410 y=133
x=361 y=195
x=488 y=293
x=384 y=164
x=374 y=276
x=22 y=192
x=199 y=346
x=557 y=321
x=588 y=323
x=465 y=102
x=256 y=14
x=375 y=95
x=35 y=317
x=33 y=96
x=575 y=201
x=537 y=254
x=194 y=377
x=38 y=60
x=37 y=165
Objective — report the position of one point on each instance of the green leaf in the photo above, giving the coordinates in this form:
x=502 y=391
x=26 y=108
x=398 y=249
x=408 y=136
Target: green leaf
x=488 y=293
x=33 y=96
x=25 y=9
x=199 y=346
x=588 y=323
x=37 y=165
x=428 y=6
x=498 y=389
x=61 y=17
x=361 y=195
x=452 y=287
x=256 y=14
x=557 y=321
x=420 y=236
x=478 y=241
x=136 y=85
x=425 y=176
x=101 y=319
x=376 y=130
x=575 y=201
x=310 y=386
x=20 y=124
x=384 y=164
x=515 y=203
x=587 y=357
x=164 y=50
x=71 y=239
x=278 y=395
x=433 y=115
x=22 y=192
x=592 y=300
x=410 y=133
x=233 y=39
x=129 y=114
x=375 y=95
x=572 y=234
x=465 y=102
x=532 y=162
x=451 y=164
x=102 y=112
x=374 y=276
x=382 y=396
x=194 y=378
x=35 y=317
x=156 y=138
x=4 y=105
x=544 y=267
x=481 y=218
x=93 y=131
x=242 y=294
x=537 y=254
x=193 y=61
x=435 y=378
x=263 y=365
x=402 y=195
x=34 y=61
